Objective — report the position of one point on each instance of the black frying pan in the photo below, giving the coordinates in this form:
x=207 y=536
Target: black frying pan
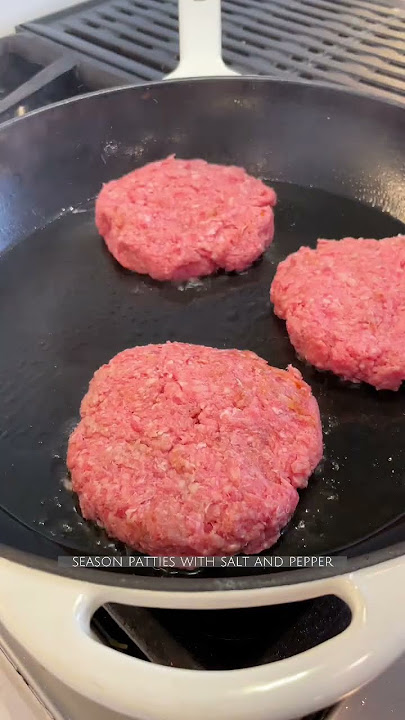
x=336 y=161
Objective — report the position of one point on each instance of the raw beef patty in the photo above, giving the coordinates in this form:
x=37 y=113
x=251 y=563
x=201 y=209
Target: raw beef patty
x=189 y=450
x=344 y=304
x=178 y=219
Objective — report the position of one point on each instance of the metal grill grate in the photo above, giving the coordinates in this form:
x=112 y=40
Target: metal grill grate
x=357 y=43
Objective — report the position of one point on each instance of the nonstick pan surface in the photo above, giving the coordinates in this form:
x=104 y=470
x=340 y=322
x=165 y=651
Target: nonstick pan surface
x=67 y=307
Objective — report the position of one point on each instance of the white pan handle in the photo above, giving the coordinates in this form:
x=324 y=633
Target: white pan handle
x=50 y=615
x=200 y=40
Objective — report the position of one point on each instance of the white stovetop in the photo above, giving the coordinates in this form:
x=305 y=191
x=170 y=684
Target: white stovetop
x=17 y=700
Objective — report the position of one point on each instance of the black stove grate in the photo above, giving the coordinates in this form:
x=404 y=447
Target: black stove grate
x=35 y=71
x=356 y=43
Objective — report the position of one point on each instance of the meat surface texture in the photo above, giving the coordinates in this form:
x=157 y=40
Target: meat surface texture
x=344 y=305
x=190 y=450
x=180 y=219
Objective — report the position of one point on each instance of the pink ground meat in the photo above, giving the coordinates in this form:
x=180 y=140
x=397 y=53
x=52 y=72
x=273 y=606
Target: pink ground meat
x=189 y=450
x=179 y=219
x=344 y=304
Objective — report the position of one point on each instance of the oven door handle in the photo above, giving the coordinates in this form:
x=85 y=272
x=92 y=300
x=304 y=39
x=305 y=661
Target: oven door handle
x=50 y=615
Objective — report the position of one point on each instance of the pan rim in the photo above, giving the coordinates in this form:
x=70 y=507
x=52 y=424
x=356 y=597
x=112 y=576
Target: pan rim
x=195 y=584
x=261 y=79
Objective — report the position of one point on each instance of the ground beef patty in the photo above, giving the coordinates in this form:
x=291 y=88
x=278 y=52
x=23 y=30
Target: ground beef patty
x=344 y=304
x=178 y=219
x=189 y=450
